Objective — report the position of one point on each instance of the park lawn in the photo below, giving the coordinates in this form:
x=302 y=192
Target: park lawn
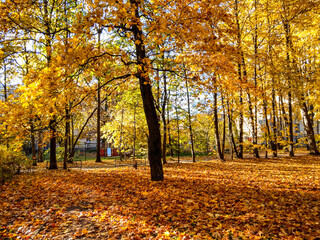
x=240 y=199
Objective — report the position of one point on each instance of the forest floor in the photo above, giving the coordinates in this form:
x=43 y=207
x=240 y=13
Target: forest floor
x=275 y=198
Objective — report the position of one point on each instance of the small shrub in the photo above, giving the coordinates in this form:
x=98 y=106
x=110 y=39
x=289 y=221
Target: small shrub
x=11 y=162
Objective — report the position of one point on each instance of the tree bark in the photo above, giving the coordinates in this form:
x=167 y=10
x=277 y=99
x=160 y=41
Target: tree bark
x=189 y=121
x=66 y=139
x=164 y=122
x=52 y=122
x=274 y=147
x=216 y=126
x=255 y=116
x=240 y=152
x=98 y=157
x=291 y=151
x=121 y=136
x=5 y=96
x=40 y=156
x=233 y=143
x=290 y=118
x=53 y=144
x=178 y=126
x=154 y=137
x=265 y=108
x=309 y=130
x=169 y=129
x=33 y=145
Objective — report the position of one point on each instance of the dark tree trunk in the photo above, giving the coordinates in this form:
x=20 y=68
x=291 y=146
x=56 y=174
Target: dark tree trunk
x=223 y=145
x=253 y=128
x=33 y=145
x=291 y=152
x=232 y=140
x=274 y=126
x=40 y=156
x=189 y=121
x=309 y=129
x=66 y=140
x=52 y=123
x=121 y=153
x=274 y=134
x=169 y=129
x=254 y=118
x=164 y=122
x=53 y=145
x=71 y=141
x=134 y=131
x=286 y=26
x=5 y=96
x=98 y=157
x=216 y=126
x=285 y=118
x=240 y=152
x=178 y=126
x=154 y=137
x=67 y=126
x=265 y=108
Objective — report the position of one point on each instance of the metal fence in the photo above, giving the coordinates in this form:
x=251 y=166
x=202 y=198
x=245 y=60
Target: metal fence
x=86 y=153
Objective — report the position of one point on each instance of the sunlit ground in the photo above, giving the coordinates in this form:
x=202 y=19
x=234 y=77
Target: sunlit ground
x=248 y=199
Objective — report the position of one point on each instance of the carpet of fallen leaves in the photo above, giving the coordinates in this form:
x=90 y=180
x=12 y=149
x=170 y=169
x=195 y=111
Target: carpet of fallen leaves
x=239 y=199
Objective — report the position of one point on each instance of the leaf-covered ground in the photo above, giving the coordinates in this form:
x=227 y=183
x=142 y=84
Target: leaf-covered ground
x=240 y=199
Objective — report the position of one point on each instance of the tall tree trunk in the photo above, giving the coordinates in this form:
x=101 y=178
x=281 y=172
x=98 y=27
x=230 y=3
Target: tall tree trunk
x=134 y=131
x=290 y=118
x=291 y=152
x=273 y=140
x=169 y=129
x=286 y=119
x=178 y=126
x=5 y=96
x=309 y=129
x=274 y=147
x=253 y=128
x=67 y=124
x=240 y=152
x=232 y=140
x=53 y=144
x=216 y=125
x=252 y=115
x=52 y=123
x=224 y=128
x=33 y=144
x=154 y=137
x=255 y=116
x=98 y=157
x=163 y=115
x=40 y=155
x=66 y=139
x=189 y=120
x=71 y=141
x=121 y=137
x=265 y=108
